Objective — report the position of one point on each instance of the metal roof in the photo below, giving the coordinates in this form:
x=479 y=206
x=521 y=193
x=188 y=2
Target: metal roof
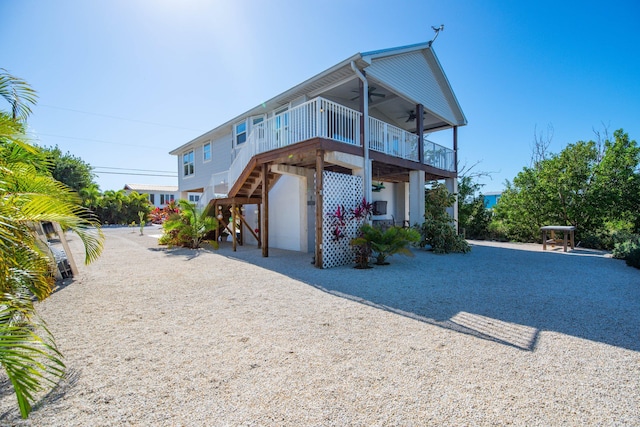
x=141 y=188
x=451 y=112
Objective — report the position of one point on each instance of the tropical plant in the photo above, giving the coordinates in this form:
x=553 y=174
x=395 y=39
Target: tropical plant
x=362 y=248
x=385 y=243
x=143 y=219
x=190 y=227
x=473 y=217
x=118 y=207
x=437 y=231
x=90 y=196
x=28 y=194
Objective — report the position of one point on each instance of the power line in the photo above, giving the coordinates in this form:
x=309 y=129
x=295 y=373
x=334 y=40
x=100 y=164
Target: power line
x=119 y=118
x=130 y=169
x=125 y=173
x=95 y=140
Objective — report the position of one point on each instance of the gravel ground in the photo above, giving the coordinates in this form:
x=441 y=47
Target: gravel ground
x=505 y=335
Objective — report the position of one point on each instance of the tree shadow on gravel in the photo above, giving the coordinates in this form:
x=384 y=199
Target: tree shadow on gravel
x=188 y=254
x=500 y=294
x=57 y=393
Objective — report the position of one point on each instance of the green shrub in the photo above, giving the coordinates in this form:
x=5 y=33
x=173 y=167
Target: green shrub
x=607 y=236
x=633 y=258
x=384 y=243
x=437 y=230
x=442 y=238
x=624 y=248
x=497 y=230
x=189 y=227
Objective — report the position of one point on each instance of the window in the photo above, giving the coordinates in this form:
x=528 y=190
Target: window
x=206 y=152
x=187 y=163
x=166 y=198
x=152 y=199
x=194 y=198
x=241 y=133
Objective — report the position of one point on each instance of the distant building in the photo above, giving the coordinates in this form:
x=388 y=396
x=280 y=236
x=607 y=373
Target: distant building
x=158 y=195
x=491 y=199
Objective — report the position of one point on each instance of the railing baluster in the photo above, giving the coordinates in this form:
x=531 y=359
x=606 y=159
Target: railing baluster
x=322 y=118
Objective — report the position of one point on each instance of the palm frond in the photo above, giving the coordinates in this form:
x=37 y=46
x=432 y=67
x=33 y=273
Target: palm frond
x=30 y=359
x=18 y=93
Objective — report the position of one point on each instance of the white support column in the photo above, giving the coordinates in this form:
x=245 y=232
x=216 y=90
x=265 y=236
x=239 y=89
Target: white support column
x=452 y=186
x=416 y=197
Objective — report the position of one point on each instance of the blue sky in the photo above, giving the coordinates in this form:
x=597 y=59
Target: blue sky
x=123 y=82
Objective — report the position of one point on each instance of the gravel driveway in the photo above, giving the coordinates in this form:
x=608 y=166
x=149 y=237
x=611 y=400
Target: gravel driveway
x=504 y=335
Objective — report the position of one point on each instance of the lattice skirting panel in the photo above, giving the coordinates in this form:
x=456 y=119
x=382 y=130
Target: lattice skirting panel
x=345 y=191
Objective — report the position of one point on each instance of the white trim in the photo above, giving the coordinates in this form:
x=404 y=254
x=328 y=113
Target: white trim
x=235 y=134
x=205 y=160
x=193 y=163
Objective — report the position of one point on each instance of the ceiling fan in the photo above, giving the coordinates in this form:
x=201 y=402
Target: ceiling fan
x=372 y=93
x=412 y=116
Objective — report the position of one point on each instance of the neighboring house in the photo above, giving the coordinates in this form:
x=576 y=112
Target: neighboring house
x=491 y=199
x=158 y=195
x=355 y=130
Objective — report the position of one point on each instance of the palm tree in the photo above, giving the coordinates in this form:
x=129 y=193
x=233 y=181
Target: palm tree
x=190 y=227
x=393 y=240
x=18 y=94
x=28 y=194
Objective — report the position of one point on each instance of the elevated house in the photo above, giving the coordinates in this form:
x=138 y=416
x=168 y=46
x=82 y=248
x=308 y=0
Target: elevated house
x=356 y=130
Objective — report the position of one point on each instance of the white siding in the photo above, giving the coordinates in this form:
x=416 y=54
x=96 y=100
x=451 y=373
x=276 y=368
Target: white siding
x=288 y=207
x=387 y=195
x=220 y=162
x=221 y=154
x=412 y=75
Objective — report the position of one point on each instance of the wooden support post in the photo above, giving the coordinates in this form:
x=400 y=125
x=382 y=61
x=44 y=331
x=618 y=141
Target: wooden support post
x=65 y=246
x=215 y=214
x=233 y=227
x=259 y=226
x=420 y=131
x=240 y=227
x=246 y=224
x=265 y=216
x=319 y=208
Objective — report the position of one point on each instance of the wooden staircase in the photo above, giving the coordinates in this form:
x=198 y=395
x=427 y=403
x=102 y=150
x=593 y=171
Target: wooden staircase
x=250 y=182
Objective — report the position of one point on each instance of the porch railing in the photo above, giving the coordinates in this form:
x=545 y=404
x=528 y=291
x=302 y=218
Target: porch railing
x=218 y=187
x=438 y=156
x=318 y=118
x=391 y=140
x=321 y=118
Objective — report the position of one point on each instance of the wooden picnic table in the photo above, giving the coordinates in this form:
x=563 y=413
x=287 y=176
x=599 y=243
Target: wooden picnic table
x=568 y=238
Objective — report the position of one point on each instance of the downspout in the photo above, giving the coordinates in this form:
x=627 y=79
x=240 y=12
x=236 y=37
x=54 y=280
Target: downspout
x=365 y=139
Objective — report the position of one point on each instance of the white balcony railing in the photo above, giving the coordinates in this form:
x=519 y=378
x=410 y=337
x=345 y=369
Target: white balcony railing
x=391 y=140
x=397 y=142
x=318 y=118
x=218 y=187
x=438 y=156
x=321 y=118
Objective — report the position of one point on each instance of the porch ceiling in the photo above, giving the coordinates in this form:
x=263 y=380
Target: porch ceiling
x=384 y=104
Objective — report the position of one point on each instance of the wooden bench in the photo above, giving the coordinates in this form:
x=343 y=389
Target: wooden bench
x=568 y=236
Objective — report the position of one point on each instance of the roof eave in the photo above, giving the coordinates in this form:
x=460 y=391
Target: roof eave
x=463 y=122
x=274 y=102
